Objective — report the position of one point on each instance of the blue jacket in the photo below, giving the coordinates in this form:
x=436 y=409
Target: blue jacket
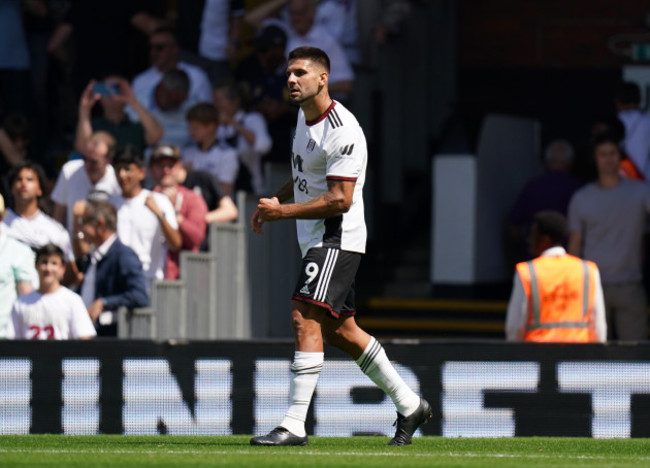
x=120 y=281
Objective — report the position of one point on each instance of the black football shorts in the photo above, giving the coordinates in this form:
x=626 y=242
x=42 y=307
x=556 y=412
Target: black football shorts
x=327 y=280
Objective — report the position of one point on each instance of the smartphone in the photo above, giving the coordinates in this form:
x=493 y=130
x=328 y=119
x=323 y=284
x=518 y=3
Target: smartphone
x=106 y=89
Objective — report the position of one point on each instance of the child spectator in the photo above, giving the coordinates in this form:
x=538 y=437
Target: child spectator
x=53 y=312
x=207 y=155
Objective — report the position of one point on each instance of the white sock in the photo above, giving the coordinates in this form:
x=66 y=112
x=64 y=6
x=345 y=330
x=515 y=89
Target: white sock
x=305 y=368
x=375 y=364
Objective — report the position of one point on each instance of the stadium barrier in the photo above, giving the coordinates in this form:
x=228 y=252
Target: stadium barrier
x=476 y=388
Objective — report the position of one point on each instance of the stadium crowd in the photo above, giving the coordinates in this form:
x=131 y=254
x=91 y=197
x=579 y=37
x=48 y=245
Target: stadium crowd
x=126 y=128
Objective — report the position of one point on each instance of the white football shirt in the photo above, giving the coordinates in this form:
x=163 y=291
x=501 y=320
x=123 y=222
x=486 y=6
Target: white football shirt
x=330 y=148
x=60 y=315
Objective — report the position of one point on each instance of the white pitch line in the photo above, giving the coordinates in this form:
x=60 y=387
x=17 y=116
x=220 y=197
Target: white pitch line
x=303 y=451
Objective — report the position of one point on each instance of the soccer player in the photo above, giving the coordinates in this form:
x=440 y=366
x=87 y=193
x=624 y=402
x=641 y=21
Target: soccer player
x=53 y=312
x=329 y=161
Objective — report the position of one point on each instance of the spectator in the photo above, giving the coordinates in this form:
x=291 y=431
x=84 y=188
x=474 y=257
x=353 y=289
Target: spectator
x=636 y=143
x=16 y=271
x=170 y=104
x=190 y=207
x=556 y=297
x=27 y=223
x=146 y=220
x=551 y=190
x=207 y=155
x=261 y=77
x=302 y=30
x=53 y=312
x=145 y=132
x=214 y=45
x=247 y=134
x=78 y=178
x=164 y=52
x=607 y=221
x=114 y=277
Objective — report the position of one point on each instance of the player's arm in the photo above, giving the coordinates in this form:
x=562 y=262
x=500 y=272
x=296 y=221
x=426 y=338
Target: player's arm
x=284 y=194
x=336 y=201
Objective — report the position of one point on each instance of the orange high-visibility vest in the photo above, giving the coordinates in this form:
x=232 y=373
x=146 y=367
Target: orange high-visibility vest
x=560 y=292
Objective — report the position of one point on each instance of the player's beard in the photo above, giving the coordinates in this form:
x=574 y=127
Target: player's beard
x=302 y=98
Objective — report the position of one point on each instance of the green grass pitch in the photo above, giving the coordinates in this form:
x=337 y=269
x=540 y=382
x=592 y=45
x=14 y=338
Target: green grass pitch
x=235 y=451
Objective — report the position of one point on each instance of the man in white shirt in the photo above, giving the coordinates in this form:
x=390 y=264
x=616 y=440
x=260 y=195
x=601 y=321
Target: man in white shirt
x=146 y=220
x=53 y=312
x=329 y=159
x=79 y=177
x=556 y=297
x=27 y=223
x=164 y=51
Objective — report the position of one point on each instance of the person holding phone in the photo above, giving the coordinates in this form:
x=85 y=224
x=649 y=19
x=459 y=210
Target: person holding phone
x=114 y=94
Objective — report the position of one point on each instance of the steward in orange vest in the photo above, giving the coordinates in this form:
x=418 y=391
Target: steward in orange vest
x=557 y=297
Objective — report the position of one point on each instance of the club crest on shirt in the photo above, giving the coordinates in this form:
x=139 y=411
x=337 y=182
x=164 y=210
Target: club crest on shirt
x=311 y=144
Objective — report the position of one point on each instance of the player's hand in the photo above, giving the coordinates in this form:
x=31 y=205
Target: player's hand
x=256 y=223
x=270 y=209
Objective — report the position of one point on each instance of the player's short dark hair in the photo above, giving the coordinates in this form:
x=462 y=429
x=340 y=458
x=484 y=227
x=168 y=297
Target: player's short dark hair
x=32 y=166
x=628 y=92
x=552 y=224
x=203 y=112
x=128 y=154
x=49 y=250
x=312 y=53
x=102 y=209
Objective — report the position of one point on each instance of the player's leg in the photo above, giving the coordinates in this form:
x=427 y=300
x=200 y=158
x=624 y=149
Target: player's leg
x=306 y=366
x=369 y=354
x=306 y=318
